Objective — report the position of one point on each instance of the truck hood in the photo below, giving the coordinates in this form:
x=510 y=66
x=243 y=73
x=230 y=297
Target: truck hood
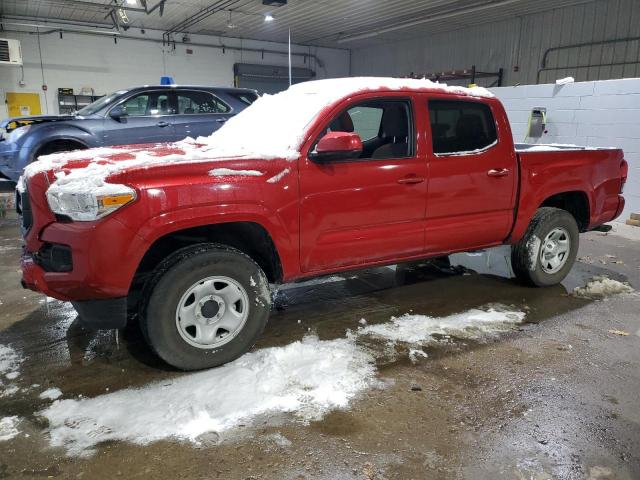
x=33 y=119
x=96 y=169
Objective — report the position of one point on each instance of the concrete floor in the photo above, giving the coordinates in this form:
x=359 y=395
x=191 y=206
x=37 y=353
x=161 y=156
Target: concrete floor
x=555 y=398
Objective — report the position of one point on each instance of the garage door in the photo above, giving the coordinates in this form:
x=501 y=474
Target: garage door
x=269 y=78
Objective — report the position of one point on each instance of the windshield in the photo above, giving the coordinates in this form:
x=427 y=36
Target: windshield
x=100 y=103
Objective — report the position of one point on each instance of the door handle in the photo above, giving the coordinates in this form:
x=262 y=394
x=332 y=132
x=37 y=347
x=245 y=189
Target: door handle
x=410 y=180
x=498 y=172
x=221 y=120
x=162 y=124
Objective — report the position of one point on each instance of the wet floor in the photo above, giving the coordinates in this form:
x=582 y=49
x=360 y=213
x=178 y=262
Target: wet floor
x=555 y=397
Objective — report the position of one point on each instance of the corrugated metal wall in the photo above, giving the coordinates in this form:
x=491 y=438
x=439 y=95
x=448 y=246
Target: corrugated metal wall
x=521 y=42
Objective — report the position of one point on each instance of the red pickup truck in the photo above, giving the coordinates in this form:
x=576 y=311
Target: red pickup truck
x=327 y=176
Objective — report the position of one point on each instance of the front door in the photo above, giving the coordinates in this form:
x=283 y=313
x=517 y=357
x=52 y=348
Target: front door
x=472 y=178
x=149 y=119
x=371 y=208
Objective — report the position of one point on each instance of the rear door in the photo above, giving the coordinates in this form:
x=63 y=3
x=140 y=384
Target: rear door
x=149 y=120
x=200 y=113
x=367 y=209
x=472 y=177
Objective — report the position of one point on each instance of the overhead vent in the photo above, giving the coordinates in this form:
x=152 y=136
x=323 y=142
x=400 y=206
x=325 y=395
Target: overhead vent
x=274 y=3
x=10 y=52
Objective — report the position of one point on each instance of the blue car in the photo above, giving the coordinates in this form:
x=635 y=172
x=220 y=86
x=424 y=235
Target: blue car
x=148 y=114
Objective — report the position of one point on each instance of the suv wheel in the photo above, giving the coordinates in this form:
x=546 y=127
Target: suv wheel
x=208 y=304
x=548 y=249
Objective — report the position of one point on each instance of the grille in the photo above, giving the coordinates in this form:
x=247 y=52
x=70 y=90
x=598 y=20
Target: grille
x=4 y=51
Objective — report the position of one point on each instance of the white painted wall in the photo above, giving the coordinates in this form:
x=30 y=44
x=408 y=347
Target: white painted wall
x=520 y=42
x=78 y=61
x=600 y=114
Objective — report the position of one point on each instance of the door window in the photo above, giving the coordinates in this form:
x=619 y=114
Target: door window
x=459 y=127
x=199 y=102
x=148 y=103
x=384 y=126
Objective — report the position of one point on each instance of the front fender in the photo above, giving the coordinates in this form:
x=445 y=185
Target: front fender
x=43 y=134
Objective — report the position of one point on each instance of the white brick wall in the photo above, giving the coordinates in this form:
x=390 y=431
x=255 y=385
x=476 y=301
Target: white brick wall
x=601 y=114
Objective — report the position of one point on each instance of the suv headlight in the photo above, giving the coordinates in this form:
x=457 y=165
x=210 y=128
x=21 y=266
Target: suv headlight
x=89 y=206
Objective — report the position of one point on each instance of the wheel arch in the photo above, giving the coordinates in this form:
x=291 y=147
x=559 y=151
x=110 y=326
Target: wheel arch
x=576 y=202
x=248 y=237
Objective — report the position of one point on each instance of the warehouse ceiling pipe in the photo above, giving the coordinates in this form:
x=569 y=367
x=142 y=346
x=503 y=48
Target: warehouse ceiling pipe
x=222 y=47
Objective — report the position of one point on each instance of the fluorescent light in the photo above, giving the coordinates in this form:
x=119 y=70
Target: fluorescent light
x=268 y=18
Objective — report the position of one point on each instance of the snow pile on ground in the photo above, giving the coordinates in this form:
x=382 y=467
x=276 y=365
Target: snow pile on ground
x=8 y=428
x=51 y=394
x=224 y=172
x=421 y=329
x=252 y=133
x=601 y=287
x=307 y=378
x=10 y=362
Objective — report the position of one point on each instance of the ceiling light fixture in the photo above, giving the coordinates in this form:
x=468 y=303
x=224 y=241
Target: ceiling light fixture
x=268 y=18
x=133 y=3
x=230 y=24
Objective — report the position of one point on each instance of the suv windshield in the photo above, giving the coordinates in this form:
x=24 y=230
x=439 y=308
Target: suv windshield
x=100 y=103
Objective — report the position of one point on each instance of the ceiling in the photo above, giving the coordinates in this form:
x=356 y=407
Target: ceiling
x=336 y=23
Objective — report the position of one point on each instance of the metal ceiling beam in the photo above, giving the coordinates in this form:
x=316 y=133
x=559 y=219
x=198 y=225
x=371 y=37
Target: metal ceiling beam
x=197 y=17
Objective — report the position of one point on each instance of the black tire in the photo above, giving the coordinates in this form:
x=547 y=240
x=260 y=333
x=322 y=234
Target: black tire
x=525 y=255
x=170 y=282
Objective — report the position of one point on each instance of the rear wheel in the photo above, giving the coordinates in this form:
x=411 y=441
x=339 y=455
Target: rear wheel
x=548 y=250
x=207 y=307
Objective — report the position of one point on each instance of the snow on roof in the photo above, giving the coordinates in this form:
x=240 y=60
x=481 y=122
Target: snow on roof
x=274 y=126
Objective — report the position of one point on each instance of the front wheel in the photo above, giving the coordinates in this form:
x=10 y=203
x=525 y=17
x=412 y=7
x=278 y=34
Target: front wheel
x=207 y=308
x=547 y=252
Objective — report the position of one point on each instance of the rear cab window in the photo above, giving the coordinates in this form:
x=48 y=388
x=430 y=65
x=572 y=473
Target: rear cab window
x=460 y=127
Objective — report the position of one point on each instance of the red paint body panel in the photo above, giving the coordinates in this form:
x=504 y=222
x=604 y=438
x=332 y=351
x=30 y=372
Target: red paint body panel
x=327 y=217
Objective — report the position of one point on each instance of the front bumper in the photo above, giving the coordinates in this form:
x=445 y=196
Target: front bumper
x=94 y=263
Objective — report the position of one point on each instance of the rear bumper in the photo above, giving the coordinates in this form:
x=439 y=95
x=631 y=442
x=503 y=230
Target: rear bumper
x=621 y=204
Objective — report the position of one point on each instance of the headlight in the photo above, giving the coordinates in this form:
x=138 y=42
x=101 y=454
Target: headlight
x=17 y=133
x=88 y=206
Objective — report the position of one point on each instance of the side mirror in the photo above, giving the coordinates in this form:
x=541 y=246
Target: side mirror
x=337 y=146
x=118 y=113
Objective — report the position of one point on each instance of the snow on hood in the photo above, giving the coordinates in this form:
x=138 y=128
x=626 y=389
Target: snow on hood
x=274 y=126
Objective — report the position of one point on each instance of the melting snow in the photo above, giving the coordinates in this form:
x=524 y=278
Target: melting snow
x=222 y=172
x=279 y=176
x=423 y=329
x=51 y=394
x=8 y=428
x=9 y=362
x=600 y=287
x=308 y=378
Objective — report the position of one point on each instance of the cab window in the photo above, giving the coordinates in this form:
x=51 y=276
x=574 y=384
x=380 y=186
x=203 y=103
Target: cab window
x=459 y=127
x=384 y=126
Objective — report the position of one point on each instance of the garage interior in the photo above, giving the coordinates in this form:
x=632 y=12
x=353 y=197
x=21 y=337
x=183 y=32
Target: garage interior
x=553 y=397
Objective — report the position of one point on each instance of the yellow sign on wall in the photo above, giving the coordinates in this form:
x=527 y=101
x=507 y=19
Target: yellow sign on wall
x=21 y=104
